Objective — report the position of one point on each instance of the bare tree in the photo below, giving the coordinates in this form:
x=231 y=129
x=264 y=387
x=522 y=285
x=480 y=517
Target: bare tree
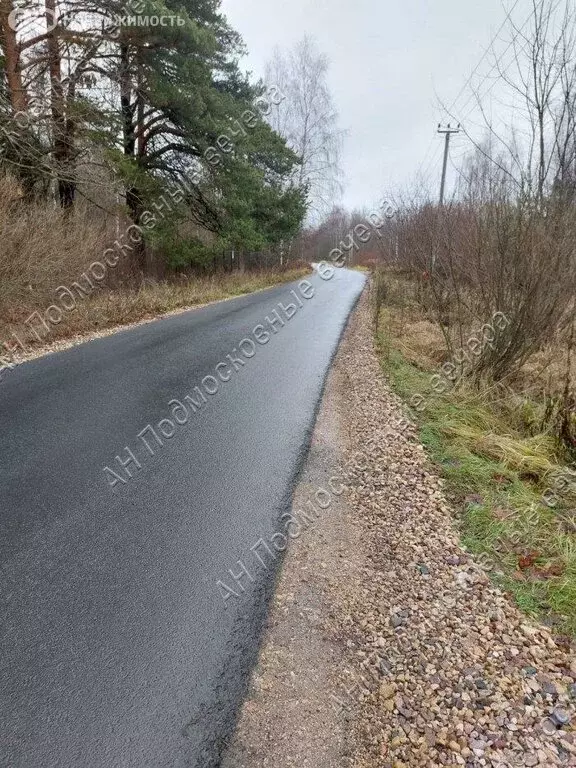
x=506 y=242
x=308 y=120
x=536 y=91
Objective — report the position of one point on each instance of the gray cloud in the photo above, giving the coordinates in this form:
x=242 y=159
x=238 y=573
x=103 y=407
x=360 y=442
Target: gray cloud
x=389 y=63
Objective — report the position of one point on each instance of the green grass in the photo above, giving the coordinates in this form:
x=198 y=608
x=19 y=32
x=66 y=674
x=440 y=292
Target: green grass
x=495 y=473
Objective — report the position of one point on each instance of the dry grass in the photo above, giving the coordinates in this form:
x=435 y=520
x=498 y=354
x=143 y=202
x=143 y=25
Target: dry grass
x=544 y=373
x=496 y=466
x=419 y=337
x=43 y=248
x=531 y=457
x=108 y=309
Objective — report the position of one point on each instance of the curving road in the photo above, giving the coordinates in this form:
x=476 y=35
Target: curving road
x=118 y=647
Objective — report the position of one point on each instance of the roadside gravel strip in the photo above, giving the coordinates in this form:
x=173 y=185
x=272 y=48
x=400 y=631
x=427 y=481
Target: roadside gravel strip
x=435 y=665
x=465 y=678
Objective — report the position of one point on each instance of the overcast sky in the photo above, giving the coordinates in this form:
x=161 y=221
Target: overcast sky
x=391 y=61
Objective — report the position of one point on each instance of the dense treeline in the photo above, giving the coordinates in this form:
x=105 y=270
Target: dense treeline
x=142 y=111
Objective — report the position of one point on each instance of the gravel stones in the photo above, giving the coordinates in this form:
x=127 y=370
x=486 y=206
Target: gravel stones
x=456 y=675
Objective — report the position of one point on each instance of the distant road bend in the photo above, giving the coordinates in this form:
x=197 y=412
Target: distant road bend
x=118 y=649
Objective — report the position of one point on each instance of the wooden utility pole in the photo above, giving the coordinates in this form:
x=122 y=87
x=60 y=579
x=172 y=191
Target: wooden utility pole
x=448 y=131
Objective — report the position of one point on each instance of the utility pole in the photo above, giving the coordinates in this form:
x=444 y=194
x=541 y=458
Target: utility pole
x=448 y=131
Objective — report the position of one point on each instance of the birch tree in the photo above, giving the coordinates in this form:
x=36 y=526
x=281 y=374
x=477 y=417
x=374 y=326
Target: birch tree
x=307 y=118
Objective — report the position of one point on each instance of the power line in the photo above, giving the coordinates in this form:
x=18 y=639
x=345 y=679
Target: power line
x=496 y=65
x=489 y=48
x=426 y=172
x=425 y=166
x=498 y=60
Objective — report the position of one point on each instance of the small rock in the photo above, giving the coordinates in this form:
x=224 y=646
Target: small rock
x=478 y=746
x=385 y=667
x=387 y=691
x=549 y=727
x=430 y=736
x=560 y=716
x=549 y=689
x=464 y=579
x=405 y=712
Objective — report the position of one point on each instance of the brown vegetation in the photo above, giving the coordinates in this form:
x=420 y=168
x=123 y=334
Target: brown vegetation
x=45 y=247
x=506 y=242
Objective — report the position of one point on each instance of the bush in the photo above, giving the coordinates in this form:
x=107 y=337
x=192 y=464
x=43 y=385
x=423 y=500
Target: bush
x=43 y=247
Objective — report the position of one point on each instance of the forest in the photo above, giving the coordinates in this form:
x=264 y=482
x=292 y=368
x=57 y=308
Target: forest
x=137 y=154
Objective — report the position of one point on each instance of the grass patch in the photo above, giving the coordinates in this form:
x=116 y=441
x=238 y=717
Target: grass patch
x=496 y=473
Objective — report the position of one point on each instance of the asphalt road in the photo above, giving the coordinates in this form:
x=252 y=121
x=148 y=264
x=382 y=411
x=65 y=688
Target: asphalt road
x=118 y=648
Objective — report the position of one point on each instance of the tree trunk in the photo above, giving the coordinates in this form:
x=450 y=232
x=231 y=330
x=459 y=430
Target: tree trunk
x=12 y=61
x=61 y=138
x=129 y=110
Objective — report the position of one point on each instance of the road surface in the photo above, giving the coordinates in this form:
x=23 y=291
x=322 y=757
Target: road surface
x=118 y=648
